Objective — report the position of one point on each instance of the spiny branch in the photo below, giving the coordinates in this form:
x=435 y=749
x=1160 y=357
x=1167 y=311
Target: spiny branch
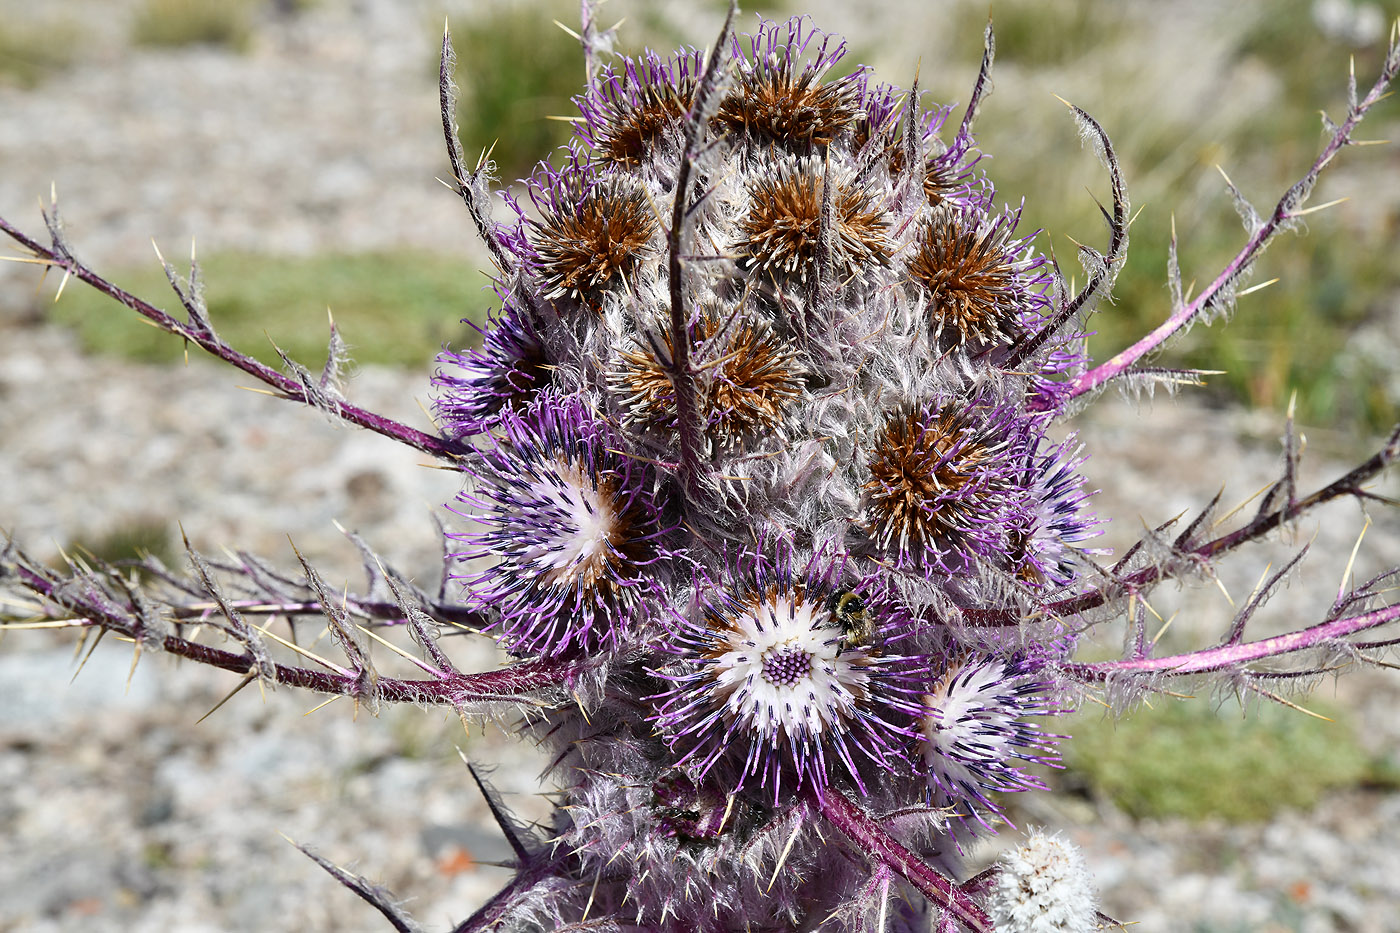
x=197 y=332
x=1288 y=209
x=871 y=840
x=679 y=369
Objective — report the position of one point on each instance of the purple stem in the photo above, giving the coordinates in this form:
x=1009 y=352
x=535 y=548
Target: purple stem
x=286 y=386
x=1348 y=484
x=1287 y=209
x=1212 y=659
x=680 y=370
x=872 y=840
x=513 y=683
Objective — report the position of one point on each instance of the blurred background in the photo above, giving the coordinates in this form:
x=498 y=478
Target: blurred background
x=299 y=142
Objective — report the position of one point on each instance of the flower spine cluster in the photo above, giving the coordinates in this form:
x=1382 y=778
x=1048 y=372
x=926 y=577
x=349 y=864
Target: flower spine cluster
x=781 y=597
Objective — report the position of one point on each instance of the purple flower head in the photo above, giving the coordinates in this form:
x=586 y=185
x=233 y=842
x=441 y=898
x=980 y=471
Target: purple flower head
x=773 y=685
x=507 y=371
x=1043 y=543
x=877 y=136
x=569 y=527
x=634 y=113
x=594 y=232
x=779 y=97
x=973 y=732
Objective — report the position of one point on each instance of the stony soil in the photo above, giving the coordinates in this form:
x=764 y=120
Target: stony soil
x=119 y=812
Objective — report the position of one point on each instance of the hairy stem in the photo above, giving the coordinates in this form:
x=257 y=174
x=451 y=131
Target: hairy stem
x=879 y=846
x=285 y=386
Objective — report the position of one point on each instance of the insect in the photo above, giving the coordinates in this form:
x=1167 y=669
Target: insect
x=848 y=611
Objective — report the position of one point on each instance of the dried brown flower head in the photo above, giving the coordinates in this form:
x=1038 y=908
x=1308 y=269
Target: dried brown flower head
x=782 y=231
x=747 y=376
x=969 y=275
x=591 y=243
x=927 y=478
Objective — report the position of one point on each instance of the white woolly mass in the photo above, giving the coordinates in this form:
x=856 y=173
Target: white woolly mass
x=1044 y=887
x=782 y=669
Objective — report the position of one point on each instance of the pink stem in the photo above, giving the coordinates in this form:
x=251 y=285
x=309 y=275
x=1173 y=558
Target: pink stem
x=1286 y=209
x=1212 y=659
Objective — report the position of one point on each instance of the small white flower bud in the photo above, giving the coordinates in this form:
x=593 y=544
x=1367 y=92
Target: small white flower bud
x=1044 y=887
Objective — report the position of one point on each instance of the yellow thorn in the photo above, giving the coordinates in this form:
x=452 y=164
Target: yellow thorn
x=302 y=651
x=1319 y=207
x=1351 y=561
x=95 y=642
x=1221 y=585
x=782 y=859
x=229 y=696
x=575 y=35
x=1062 y=100
x=135 y=659
x=1290 y=704
x=313 y=709
x=1165 y=625
x=1257 y=288
x=61 y=285
x=391 y=646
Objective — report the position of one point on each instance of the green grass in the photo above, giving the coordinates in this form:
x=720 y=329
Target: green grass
x=31 y=51
x=174 y=23
x=1184 y=759
x=1038 y=33
x=133 y=541
x=390 y=308
x=515 y=69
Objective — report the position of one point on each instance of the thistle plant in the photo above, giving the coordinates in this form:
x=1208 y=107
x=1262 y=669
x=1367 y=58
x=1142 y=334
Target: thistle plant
x=762 y=496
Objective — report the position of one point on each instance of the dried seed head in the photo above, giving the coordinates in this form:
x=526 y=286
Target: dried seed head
x=933 y=483
x=748 y=378
x=973 y=283
x=782 y=231
x=592 y=237
x=779 y=100
x=636 y=113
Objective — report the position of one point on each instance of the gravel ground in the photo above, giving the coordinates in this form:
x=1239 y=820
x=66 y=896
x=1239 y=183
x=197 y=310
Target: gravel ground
x=119 y=812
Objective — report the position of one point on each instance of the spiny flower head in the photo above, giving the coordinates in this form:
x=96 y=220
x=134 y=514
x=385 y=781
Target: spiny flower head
x=976 y=279
x=779 y=97
x=975 y=731
x=769 y=688
x=636 y=110
x=766 y=496
x=940 y=486
x=569 y=528
x=747 y=378
x=507 y=371
x=592 y=234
